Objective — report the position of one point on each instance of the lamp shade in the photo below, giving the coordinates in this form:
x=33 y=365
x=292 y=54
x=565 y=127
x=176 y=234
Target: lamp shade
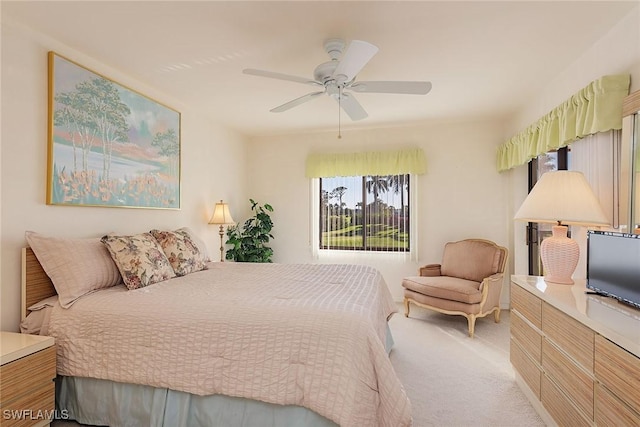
x=221 y=215
x=562 y=197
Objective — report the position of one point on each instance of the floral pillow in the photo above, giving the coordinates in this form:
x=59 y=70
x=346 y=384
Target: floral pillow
x=182 y=251
x=139 y=258
x=202 y=247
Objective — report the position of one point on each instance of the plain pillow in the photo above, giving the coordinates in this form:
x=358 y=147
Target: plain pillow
x=37 y=322
x=32 y=324
x=139 y=258
x=75 y=266
x=181 y=251
x=47 y=302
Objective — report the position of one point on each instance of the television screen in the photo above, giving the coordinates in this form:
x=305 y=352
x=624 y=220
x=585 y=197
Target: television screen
x=613 y=265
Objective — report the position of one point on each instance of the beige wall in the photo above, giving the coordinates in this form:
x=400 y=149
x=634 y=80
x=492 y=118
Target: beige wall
x=618 y=52
x=460 y=196
x=213 y=162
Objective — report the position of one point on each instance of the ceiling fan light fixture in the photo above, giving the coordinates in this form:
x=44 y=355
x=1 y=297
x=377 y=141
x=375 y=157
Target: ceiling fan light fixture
x=338 y=75
x=332 y=89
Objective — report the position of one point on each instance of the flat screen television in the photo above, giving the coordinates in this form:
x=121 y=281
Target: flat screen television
x=613 y=265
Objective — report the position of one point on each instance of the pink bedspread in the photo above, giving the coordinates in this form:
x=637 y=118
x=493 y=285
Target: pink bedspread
x=300 y=334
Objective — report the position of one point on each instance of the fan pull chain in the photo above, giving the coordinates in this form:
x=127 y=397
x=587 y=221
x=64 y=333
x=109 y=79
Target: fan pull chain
x=339 y=108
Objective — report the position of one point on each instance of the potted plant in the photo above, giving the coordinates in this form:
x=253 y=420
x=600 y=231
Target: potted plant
x=250 y=241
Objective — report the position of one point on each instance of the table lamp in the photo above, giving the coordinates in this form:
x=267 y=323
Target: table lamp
x=221 y=216
x=562 y=198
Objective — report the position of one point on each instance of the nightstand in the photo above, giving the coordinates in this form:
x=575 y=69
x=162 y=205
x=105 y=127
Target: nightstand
x=27 y=389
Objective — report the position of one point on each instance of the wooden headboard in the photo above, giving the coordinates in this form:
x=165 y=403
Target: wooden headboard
x=36 y=285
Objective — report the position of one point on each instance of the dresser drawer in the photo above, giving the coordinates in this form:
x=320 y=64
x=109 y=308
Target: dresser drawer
x=23 y=375
x=526 y=367
x=529 y=338
x=575 y=338
x=611 y=411
x=527 y=304
x=562 y=410
x=619 y=371
x=574 y=381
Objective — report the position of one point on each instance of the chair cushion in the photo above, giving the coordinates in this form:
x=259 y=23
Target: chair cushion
x=470 y=259
x=449 y=288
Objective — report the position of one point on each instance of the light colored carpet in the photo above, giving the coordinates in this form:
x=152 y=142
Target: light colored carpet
x=451 y=379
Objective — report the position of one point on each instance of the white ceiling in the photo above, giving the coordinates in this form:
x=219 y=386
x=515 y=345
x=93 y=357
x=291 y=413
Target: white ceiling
x=483 y=58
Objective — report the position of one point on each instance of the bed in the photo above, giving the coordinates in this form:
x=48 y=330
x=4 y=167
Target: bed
x=234 y=344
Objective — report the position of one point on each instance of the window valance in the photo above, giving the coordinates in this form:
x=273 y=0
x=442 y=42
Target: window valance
x=595 y=108
x=366 y=163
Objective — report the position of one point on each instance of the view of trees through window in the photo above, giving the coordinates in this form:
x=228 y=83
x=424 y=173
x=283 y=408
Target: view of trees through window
x=365 y=213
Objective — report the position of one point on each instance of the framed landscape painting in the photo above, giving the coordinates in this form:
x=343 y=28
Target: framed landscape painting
x=109 y=145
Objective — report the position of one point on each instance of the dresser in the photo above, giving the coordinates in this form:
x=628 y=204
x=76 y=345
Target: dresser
x=576 y=356
x=27 y=373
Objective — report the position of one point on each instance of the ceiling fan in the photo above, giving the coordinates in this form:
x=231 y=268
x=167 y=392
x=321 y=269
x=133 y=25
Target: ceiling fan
x=337 y=76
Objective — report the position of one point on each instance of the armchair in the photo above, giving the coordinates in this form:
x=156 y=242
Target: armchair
x=468 y=282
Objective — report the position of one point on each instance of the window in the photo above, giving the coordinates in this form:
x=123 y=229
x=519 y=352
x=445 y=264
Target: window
x=365 y=213
x=537 y=232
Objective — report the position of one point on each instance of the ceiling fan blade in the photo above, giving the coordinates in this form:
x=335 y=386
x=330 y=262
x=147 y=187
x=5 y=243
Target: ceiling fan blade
x=288 y=105
x=354 y=59
x=413 y=88
x=280 y=76
x=352 y=107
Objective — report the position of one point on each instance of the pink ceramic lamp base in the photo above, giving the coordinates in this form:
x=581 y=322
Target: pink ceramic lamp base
x=559 y=256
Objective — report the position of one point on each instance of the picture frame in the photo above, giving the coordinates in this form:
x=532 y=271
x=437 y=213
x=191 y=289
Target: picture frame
x=109 y=145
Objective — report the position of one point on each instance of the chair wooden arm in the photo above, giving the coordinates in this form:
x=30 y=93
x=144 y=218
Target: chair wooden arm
x=491 y=287
x=430 y=270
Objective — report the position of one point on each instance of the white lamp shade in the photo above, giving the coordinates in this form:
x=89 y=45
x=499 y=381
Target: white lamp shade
x=221 y=215
x=562 y=197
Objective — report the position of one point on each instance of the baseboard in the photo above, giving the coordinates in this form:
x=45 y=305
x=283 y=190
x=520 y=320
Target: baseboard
x=533 y=399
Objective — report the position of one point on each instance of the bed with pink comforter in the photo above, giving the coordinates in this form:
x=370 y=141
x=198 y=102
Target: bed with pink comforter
x=311 y=335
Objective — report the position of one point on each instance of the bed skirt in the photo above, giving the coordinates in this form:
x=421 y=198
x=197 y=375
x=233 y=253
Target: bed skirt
x=107 y=403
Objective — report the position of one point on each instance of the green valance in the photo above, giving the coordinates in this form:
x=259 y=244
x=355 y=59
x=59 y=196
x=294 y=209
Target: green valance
x=595 y=108
x=367 y=163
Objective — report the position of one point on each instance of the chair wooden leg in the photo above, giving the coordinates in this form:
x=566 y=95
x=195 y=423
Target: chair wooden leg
x=471 y=320
x=496 y=315
x=406 y=307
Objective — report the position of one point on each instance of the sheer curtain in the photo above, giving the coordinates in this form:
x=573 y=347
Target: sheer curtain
x=597 y=156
